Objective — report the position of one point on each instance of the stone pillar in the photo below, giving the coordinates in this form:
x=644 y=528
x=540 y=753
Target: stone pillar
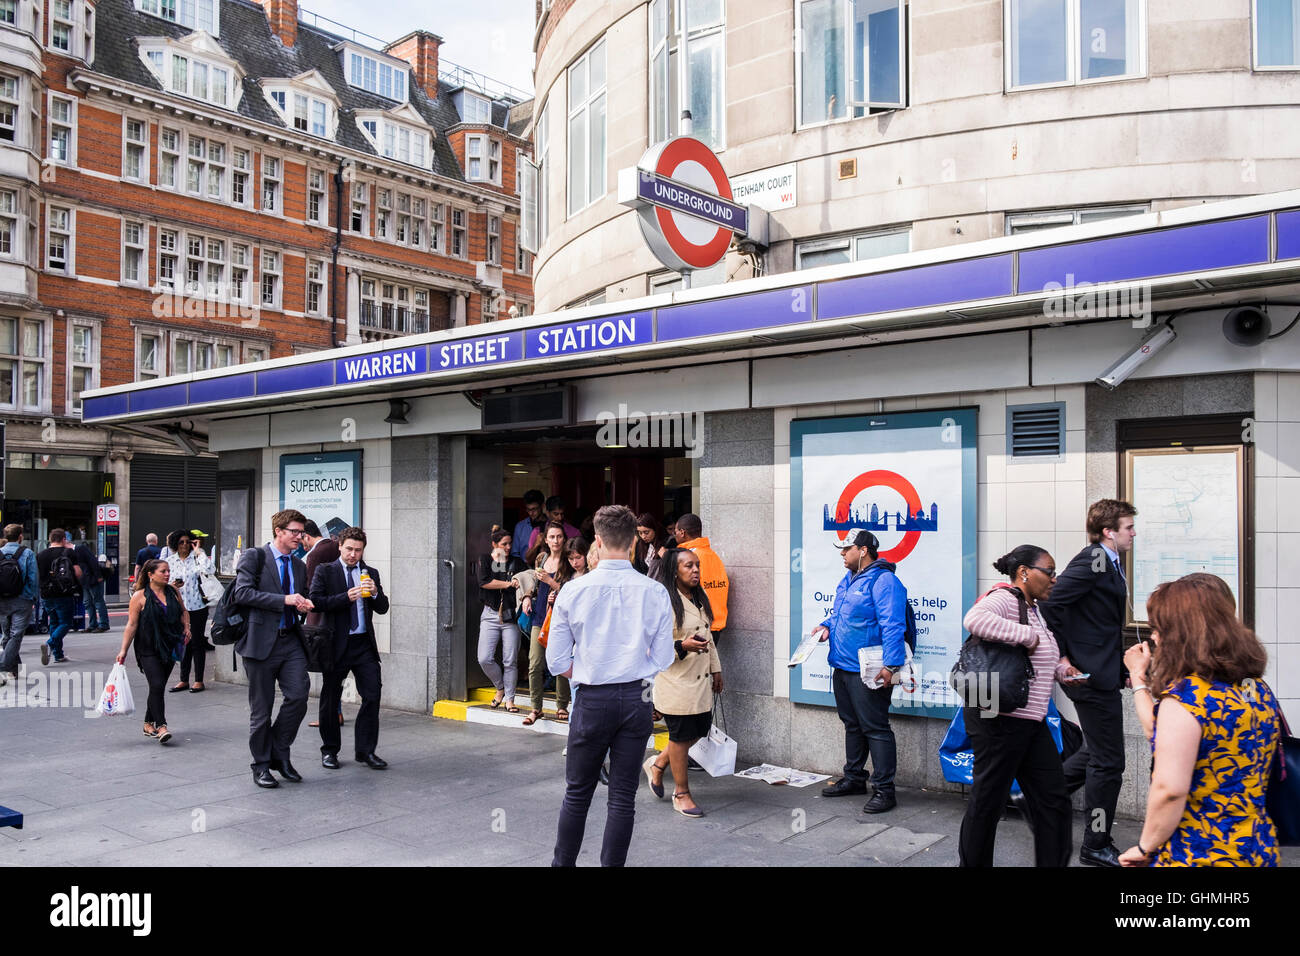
x=119 y=465
x=459 y=303
x=353 y=310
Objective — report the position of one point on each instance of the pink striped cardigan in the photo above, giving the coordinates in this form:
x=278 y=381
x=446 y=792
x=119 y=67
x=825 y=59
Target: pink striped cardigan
x=996 y=617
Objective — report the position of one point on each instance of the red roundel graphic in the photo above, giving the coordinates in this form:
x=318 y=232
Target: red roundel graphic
x=888 y=479
x=676 y=154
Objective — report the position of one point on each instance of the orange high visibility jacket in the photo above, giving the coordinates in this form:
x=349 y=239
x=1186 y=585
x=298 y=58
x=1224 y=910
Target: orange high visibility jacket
x=713 y=578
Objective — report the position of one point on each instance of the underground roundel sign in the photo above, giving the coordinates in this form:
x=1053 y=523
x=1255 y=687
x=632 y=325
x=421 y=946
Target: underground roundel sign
x=684 y=204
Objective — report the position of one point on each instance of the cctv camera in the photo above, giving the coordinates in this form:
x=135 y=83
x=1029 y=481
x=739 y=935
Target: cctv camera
x=1246 y=326
x=1157 y=339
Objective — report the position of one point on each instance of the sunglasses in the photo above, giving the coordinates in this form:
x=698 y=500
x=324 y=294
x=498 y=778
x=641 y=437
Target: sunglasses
x=1050 y=572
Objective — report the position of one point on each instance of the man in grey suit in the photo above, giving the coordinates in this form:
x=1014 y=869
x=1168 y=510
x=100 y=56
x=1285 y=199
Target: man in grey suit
x=273 y=647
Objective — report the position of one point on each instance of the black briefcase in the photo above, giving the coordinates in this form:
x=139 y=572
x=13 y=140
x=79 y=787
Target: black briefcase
x=318 y=642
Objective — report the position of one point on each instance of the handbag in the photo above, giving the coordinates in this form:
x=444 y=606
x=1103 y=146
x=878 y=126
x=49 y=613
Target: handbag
x=957 y=757
x=212 y=588
x=546 y=628
x=988 y=668
x=1283 y=798
x=716 y=753
x=318 y=643
x=505 y=615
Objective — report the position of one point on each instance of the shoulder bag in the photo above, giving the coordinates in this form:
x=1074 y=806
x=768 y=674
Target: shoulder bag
x=991 y=673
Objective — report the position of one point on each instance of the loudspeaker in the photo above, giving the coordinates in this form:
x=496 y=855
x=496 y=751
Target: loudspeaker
x=1246 y=326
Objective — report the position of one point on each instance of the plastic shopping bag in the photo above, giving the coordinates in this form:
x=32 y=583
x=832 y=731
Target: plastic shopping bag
x=957 y=759
x=716 y=753
x=116 y=701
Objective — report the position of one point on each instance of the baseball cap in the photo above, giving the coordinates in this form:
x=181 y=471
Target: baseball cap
x=861 y=538
x=196 y=533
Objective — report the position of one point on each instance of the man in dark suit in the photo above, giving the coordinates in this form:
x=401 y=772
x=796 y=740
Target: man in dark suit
x=273 y=648
x=1086 y=612
x=337 y=590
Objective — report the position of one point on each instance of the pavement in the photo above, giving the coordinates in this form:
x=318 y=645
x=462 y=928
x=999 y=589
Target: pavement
x=96 y=792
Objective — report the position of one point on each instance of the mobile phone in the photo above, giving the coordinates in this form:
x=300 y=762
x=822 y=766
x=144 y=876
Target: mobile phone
x=1078 y=677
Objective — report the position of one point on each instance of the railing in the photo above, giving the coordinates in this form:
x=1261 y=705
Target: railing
x=395 y=320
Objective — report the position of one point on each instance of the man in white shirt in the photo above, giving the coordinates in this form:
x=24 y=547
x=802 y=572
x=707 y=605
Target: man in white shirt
x=611 y=633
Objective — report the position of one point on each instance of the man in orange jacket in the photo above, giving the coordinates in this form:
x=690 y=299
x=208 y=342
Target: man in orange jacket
x=713 y=575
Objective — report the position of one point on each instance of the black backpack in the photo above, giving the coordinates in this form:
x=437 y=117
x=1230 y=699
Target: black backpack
x=62 y=580
x=12 y=579
x=230 y=620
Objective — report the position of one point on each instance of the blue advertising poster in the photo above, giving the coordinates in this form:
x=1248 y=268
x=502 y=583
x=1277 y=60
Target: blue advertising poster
x=909 y=478
x=325 y=486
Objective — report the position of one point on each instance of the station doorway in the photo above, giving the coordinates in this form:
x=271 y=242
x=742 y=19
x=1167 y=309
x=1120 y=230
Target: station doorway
x=567 y=463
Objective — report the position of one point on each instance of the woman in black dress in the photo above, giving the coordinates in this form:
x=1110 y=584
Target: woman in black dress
x=158 y=618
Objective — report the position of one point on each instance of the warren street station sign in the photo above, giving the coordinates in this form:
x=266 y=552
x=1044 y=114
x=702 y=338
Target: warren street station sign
x=685 y=206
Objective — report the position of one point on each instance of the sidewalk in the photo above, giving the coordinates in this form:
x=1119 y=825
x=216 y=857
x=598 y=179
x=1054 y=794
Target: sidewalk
x=96 y=792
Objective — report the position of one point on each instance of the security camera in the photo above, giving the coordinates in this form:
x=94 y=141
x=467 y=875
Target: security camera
x=1155 y=340
x=1246 y=326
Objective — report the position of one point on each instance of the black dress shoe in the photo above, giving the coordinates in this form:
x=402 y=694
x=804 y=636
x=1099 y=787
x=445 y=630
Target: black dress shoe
x=330 y=761
x=372 y=761
x=263 y=778
x=1099 y=856
x=1022 y=807
x=880 y=802
x=285 y=769
x=844 y=788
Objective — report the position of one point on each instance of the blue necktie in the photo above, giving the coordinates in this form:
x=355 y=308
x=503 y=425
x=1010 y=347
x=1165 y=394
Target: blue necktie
x=352 y=605
x=288 y=618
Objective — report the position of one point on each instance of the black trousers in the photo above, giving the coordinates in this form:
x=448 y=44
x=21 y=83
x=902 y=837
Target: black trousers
x=287 y=663
x=1097 y=766
x=360 y=659
x=196 y=651
x=613 y=719
x=156 y=672
x=865 y=714
x=1013 y=748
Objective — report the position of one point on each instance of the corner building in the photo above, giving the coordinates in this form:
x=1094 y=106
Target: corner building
x=193 y=186
x=1012 y=214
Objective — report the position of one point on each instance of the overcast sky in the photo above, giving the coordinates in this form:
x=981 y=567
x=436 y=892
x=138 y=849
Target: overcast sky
x=489 y=36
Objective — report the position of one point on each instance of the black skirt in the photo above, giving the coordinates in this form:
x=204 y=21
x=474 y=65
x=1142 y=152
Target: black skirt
x=687 y=728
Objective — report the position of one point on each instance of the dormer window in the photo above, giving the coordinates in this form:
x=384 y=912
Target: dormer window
x=377 y=76
x=400 y=134
x=305 y=103
x=196 y=14
x=473 y=108
x=181 y=69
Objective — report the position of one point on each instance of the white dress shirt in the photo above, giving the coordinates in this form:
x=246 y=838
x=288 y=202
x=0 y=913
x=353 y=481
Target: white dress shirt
x=612 y=625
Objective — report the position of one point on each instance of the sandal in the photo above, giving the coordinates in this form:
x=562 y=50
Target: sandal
x=511 y=709
x=650 y=767
x=314 y=723
x=693 y=813
x=532 y=718
x=164 y=734
x=180 y=687
x=150 y=730
x=562 y=715
x=497 y=702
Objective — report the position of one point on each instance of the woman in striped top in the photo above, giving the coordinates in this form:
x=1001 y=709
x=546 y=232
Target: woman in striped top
x=1018 y=746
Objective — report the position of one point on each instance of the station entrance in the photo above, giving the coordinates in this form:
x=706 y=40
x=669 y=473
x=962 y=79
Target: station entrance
x=568 y=463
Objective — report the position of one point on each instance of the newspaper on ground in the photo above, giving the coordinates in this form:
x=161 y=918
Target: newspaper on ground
x=782 y=776
x=803 y=651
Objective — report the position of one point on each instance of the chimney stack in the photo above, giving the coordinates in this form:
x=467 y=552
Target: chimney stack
x=420 y=49
x=283 y=16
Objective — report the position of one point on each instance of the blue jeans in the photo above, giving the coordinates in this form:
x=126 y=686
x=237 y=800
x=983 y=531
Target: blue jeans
x=92 y=595
x=61 y=610
x=15 y=615
x=611 y=718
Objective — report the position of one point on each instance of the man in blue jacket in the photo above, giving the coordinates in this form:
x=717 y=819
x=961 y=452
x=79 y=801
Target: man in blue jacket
x=870 y=611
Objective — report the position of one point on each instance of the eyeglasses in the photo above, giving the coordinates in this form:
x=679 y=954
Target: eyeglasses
x=1050 y=572
x=296 y=532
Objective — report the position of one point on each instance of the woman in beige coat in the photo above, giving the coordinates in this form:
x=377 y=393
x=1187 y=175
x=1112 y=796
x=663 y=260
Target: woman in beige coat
x=684 y=692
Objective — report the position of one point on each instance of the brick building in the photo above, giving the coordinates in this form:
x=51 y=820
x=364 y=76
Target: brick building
x=191 y=186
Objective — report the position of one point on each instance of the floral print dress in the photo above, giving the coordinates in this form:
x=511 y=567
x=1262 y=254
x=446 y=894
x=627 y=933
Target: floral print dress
x=1225 y=822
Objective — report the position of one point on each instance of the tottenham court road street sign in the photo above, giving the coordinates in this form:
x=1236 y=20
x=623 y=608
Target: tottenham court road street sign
x=683 y=201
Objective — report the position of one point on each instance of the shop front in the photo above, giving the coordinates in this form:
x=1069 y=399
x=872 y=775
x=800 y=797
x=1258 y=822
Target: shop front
x=946 y=399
